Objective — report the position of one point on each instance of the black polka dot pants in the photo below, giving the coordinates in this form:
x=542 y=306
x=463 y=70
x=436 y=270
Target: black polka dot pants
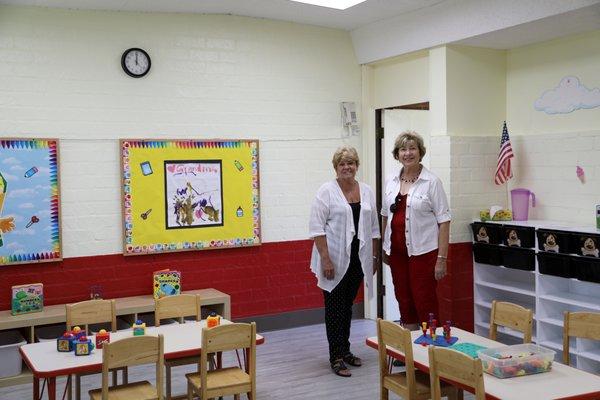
x=338 y=311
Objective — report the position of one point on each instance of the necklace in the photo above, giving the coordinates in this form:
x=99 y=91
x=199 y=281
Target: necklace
x=413 y=179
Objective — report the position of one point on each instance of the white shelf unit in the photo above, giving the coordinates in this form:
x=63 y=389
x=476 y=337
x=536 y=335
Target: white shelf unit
x=549 y=297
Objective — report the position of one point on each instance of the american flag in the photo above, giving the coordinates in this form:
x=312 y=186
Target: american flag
x=503 y=171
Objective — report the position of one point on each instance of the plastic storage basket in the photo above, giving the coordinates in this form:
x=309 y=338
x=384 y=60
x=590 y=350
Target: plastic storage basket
x=487 y=254
x=517 y=360
x=555 y=264
x=487 y=233
x=11 y=364
x=518 y=236
x=554 y=241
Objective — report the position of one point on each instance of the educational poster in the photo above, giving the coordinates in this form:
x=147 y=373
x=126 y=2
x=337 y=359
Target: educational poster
x=29 y=201
x=183 y=195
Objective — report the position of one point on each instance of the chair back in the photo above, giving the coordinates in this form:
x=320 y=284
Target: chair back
x=392 y=335
x=457 y=367
x=134 y=350
x=512 y=316
x=236 y=336
x=91 y=312
x=177 y=306
x=585 y=325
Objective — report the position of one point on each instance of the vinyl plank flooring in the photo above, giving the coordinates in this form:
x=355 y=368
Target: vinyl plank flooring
x=292 y=364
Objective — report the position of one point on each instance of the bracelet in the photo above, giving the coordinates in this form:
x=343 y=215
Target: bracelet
x=442 y=257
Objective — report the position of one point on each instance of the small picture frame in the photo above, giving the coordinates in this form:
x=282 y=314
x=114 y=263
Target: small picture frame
x=146 y=168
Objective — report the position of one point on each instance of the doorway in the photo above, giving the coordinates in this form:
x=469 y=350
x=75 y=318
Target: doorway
x=390 y=122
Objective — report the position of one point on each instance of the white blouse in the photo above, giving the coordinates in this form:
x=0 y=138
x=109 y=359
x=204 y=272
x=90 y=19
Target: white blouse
x=331 y=215
x=426 y=207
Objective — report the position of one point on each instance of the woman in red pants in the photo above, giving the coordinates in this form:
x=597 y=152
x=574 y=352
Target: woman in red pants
x=416 y=221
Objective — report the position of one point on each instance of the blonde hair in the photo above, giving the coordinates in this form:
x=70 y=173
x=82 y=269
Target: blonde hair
x=403 y=139
x=345 y=153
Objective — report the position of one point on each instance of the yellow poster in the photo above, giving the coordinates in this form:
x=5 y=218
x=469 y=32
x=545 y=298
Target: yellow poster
x=189 y=195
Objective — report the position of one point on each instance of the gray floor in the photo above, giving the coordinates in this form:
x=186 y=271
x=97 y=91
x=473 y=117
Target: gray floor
x=291 y=364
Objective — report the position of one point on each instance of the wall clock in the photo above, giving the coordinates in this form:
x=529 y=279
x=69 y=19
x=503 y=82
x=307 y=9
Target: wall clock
x=135 y=62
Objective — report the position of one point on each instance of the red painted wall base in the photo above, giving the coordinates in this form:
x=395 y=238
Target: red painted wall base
x=269 y=279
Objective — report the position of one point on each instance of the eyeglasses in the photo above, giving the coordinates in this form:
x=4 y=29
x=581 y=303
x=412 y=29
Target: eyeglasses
x=396 y=204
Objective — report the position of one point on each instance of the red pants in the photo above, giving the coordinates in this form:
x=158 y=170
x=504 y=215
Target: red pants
x=414 y=277
x=415 y=285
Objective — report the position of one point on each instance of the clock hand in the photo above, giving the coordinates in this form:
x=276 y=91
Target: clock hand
x=136 y=59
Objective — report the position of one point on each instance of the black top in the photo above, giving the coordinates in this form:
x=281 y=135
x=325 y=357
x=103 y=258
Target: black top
x=355 y=243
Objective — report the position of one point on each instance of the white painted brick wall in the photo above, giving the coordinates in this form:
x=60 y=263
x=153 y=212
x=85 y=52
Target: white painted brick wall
x=212 y=77
x=546 y=164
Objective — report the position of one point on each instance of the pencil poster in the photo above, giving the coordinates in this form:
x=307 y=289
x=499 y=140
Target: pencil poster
x=29 y=201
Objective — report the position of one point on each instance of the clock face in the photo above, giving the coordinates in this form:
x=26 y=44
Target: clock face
x=135 y=62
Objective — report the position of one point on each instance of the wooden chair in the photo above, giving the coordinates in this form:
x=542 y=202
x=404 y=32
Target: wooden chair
x=134 y=350
x=585 y=325
x=410 y=384
x=512 y=316
x=178 y=306
x=225 y=381
x=456 y=366
x=88 y=312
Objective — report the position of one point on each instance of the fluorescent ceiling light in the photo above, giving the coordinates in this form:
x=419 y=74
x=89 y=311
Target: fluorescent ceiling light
x=337 y=4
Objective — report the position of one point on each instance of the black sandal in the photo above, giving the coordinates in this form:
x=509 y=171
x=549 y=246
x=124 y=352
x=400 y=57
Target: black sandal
x=351 y=359
x=340 y=368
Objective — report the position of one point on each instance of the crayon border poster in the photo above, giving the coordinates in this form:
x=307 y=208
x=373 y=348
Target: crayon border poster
x=29 y=201
x=184 y=195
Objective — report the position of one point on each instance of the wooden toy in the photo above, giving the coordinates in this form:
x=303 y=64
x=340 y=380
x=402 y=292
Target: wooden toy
x=213 y=320
x=65 y=342
x=83 y=346
x=101 y=338
x=139 y=328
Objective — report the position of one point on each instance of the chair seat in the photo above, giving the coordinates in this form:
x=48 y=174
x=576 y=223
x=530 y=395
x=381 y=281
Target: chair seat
x=223 y=382
x=138 y=391
x=397 y=383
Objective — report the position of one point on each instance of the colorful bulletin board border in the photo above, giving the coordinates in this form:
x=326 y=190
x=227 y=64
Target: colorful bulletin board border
x=183 y=195
x=29 y=201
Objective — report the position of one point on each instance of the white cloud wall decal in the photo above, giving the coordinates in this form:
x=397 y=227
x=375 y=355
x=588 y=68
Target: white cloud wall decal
x=568 y=96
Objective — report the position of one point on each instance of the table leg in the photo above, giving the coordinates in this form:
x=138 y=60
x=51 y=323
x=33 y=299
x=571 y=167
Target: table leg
x=36 y=388
x=52 y=388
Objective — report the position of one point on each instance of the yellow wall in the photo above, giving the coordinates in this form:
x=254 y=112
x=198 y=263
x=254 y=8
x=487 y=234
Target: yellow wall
x=400 y=80
x=476 y=90
x=534 y=69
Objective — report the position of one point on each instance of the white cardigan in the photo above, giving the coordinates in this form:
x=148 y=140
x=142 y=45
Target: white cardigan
x=331 y=215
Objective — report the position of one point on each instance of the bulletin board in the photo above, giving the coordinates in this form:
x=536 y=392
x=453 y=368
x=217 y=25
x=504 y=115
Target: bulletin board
x=29 y=201
x=183 y=195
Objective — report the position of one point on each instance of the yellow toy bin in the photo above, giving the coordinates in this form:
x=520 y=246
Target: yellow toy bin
x=517 y=360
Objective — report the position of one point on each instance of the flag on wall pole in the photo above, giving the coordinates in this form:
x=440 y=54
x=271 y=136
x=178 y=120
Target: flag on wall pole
x=503 y=170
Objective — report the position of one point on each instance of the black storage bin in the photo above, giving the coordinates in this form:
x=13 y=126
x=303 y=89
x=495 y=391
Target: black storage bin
x=487 y=233
x=586 y=268
x=487 y=254
x=555 y=264
x=586 y=244
x=554 y=241
x=518 y=236
x=517 y=258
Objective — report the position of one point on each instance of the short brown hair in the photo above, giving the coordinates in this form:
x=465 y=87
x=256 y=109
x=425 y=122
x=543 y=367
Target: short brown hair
x=345 y=153
x=406 y=137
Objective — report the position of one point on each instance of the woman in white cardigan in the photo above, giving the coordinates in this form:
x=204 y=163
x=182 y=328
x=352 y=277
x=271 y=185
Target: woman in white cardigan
x=344 y=224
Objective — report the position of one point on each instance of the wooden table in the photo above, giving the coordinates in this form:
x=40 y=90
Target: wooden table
x=562 y=382
x=44 y=361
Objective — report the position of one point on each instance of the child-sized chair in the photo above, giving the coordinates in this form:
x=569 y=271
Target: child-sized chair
x=409 y=384
x=512 y=316
x=177 y=306
x=225 y=381
x=584 y=325
x=88 y=312
x=131 y=351
x=457 y=367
